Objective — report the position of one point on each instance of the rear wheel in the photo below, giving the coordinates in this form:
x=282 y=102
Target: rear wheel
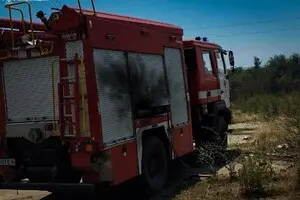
x=154 y=164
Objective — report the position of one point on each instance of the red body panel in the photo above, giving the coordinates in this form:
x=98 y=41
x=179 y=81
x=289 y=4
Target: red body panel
x=182 y=140
x=128 y=37
x=81 y=161
x=124 y=162
x=150 y=121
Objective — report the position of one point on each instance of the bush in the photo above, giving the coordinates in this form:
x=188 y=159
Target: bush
x=255 y=174
x=207 y=155
x=269 y=106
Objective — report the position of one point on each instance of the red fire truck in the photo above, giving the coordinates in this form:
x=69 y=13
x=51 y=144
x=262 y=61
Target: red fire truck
x=96 y=99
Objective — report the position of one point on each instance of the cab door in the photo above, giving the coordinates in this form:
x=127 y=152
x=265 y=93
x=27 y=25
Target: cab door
x=209 y=74
x=223 y=76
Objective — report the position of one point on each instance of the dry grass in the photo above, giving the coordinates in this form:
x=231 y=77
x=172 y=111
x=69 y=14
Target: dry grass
x=220 y=188
x=255 y=174
x=242 y=117
x=207 y=190
x=282 y=184
x=278 y=136
x=269 y=134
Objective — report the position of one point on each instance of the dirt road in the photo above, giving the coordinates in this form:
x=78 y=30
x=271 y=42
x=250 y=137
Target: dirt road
x=242 y=132
x=22 y=195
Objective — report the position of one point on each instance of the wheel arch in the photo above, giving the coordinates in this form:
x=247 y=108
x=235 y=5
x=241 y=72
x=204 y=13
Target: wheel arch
x=161 y=132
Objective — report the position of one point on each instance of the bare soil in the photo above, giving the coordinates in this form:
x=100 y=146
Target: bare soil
x=22 y=195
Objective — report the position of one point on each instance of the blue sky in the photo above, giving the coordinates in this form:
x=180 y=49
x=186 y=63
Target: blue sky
x=230 y=23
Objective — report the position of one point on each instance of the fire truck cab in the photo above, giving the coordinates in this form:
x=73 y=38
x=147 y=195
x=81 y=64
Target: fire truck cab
x=204 y=63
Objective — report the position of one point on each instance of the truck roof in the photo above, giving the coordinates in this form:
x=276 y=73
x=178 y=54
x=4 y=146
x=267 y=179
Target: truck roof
x=154 y=25
x=192 y=43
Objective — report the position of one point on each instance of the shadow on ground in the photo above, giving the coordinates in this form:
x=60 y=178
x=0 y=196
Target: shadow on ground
x=185 y=173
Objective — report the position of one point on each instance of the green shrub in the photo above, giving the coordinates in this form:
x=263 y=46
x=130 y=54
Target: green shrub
x=270 y=105
x=255 y=174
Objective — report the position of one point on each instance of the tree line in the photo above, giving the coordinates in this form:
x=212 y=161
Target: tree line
x=280 y=75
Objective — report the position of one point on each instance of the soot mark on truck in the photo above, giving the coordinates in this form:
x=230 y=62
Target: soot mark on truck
x=146 y=85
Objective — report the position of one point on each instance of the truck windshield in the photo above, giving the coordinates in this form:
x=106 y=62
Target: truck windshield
x=221 y=62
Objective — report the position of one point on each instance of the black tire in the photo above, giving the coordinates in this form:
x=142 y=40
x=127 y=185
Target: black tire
x=154 y=164
x=222 y=130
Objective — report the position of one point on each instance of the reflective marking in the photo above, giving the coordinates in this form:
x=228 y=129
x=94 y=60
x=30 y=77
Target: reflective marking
x=213 y=93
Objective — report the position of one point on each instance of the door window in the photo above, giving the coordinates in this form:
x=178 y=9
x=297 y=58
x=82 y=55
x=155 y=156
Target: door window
x=207 y=62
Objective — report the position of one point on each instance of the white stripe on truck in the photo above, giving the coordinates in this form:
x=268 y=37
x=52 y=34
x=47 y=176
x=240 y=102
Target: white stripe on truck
x=213 y=93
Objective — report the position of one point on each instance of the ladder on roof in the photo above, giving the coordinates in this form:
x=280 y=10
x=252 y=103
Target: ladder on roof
x=93 y=5
x=72 y=111
x=22 y=34
x=11 y=7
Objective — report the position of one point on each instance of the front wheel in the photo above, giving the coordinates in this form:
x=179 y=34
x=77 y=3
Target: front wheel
x=154 y=164
x=222 y=129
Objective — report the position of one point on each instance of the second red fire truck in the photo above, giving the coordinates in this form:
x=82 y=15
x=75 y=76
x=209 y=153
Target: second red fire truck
x=90 y=98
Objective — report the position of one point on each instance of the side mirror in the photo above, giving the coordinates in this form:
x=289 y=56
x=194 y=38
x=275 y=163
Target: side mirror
x=231 y=60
